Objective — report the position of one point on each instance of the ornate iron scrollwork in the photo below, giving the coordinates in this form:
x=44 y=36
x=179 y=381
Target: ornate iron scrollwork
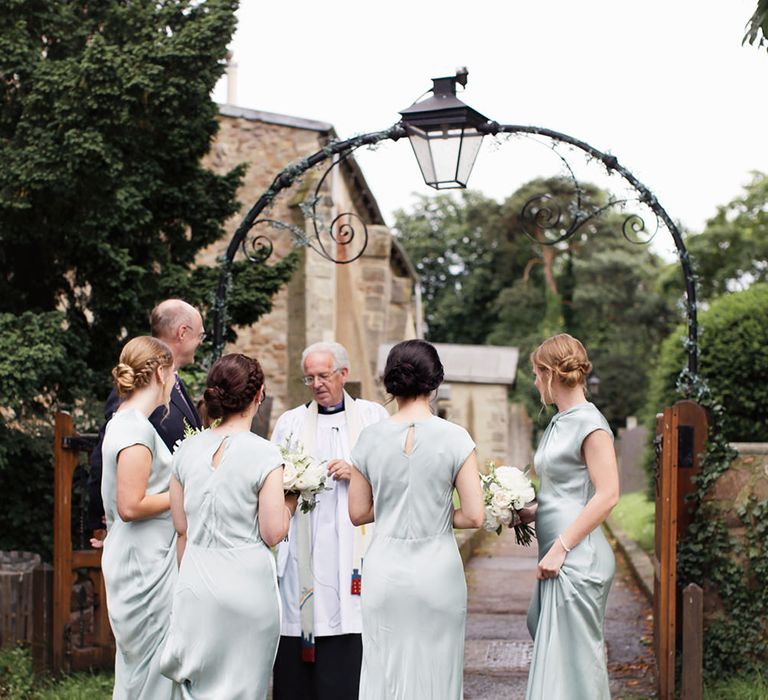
x=341 y=230
x=258 y=248
x=343 y=242
x=543 y=219
x=541 y=214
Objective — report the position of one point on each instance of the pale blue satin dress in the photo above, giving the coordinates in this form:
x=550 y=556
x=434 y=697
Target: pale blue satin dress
x=139 y=565
x=225 y=623
x=567 y=612
x=414 y=595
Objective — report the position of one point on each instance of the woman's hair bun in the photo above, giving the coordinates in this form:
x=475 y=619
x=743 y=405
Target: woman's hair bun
x=413 y=369
x=139 y=359
x=233 y=383
x=573 y=369
x=565 y=357
x=213 y=397
x=124 y=377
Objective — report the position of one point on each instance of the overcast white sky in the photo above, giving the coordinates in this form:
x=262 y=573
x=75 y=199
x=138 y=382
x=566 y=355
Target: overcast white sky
x=665 y=85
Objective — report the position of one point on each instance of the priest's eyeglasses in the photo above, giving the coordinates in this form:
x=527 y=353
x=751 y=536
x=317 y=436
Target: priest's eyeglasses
x=309 y=379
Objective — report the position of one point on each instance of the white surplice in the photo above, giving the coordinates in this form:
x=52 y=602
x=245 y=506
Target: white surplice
x=336 y=610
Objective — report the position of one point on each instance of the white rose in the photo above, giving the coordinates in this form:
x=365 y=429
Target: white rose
x=491 y=522
x=289 y=475
x=506 y=517
x=517 y=483
x=498 y=511
x=302 y=483
x=316 y=475
x=502 y=498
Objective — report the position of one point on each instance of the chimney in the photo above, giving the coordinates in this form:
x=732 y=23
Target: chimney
x=231 y=79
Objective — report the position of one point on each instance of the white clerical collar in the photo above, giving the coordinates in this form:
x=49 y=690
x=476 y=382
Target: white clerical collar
x=329 y=411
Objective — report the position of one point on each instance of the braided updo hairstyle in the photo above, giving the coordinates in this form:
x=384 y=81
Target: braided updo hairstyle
x=565 y=358
x=233 y=383
x=413 y=369
x=140 y=357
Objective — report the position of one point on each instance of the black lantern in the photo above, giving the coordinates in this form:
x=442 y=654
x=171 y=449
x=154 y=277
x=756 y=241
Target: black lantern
x=593 y=384
x=444 y=133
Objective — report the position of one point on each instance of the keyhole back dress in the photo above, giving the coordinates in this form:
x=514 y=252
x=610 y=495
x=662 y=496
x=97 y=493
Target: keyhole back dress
x=225 y=621
x=414 y=595
x=566 y=614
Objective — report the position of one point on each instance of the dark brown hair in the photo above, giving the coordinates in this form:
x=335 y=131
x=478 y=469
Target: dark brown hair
x=233 y=383
x=413 y=369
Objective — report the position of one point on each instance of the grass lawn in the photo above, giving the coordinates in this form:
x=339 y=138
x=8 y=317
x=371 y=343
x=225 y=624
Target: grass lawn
x=18 y=682
x=634 y=514
x=753 y=687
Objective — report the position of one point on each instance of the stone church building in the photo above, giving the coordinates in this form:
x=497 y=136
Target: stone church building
x=370 y=301
x=367 y=305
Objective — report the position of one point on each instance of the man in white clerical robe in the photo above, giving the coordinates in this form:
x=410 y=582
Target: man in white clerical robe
x=319 y=567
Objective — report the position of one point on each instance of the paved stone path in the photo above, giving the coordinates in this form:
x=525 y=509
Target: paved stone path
x=501 y=576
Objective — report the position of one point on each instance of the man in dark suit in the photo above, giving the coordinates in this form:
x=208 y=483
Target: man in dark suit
x=180 y=326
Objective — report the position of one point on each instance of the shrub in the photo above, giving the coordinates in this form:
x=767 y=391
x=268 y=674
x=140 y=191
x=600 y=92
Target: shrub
x=733 y=361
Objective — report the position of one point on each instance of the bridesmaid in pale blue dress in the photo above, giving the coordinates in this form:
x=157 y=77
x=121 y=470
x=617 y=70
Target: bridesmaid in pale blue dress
x=579 y=486
x=138 y=560
x=229 y=509
x=414 y=594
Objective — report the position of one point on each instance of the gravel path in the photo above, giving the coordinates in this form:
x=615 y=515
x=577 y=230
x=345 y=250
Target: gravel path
x=501 y=576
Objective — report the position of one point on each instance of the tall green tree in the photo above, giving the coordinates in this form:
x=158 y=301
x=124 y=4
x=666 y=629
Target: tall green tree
x=757 y=27
x=104 y=204
x=732 y=251
x=488 y=282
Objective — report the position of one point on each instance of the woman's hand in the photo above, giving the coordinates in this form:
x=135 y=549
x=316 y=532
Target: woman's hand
x=292 y=501
x=551 y=562
x=338 y=469
x=526 y=515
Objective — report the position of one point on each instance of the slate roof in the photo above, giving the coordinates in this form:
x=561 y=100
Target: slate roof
x=471 y=364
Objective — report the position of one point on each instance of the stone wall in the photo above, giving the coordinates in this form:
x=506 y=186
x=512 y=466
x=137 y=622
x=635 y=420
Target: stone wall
x=520 y=431
x=359 y=304
x=483 y=410
x=747 y=478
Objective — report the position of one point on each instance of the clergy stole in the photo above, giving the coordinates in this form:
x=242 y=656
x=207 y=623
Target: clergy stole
x=361 y=537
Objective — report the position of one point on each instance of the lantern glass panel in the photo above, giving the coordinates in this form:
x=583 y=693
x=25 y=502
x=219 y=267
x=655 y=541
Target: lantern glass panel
x=445 y=155
x=470 y=147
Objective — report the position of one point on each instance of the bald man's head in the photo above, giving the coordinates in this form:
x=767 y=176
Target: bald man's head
x=180 y=326
x=168 y=315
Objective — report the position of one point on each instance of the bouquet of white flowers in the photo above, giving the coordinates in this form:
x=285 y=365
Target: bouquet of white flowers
x=302 y=474
x=505 y=491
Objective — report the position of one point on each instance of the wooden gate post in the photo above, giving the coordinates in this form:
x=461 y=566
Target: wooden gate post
x=65 y=463
x=665 y=560
x=681 y=433
x=99 y=650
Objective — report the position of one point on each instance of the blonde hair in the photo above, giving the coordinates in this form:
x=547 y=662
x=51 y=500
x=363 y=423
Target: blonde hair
x=139 y=359
x=565 y=358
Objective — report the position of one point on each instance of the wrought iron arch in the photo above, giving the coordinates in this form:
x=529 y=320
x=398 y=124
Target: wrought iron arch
x=539 y=211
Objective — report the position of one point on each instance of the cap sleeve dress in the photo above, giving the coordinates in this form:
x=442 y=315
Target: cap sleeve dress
x=414 y=595
x=225 y=623
x=139 y=565
x=566 y=614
